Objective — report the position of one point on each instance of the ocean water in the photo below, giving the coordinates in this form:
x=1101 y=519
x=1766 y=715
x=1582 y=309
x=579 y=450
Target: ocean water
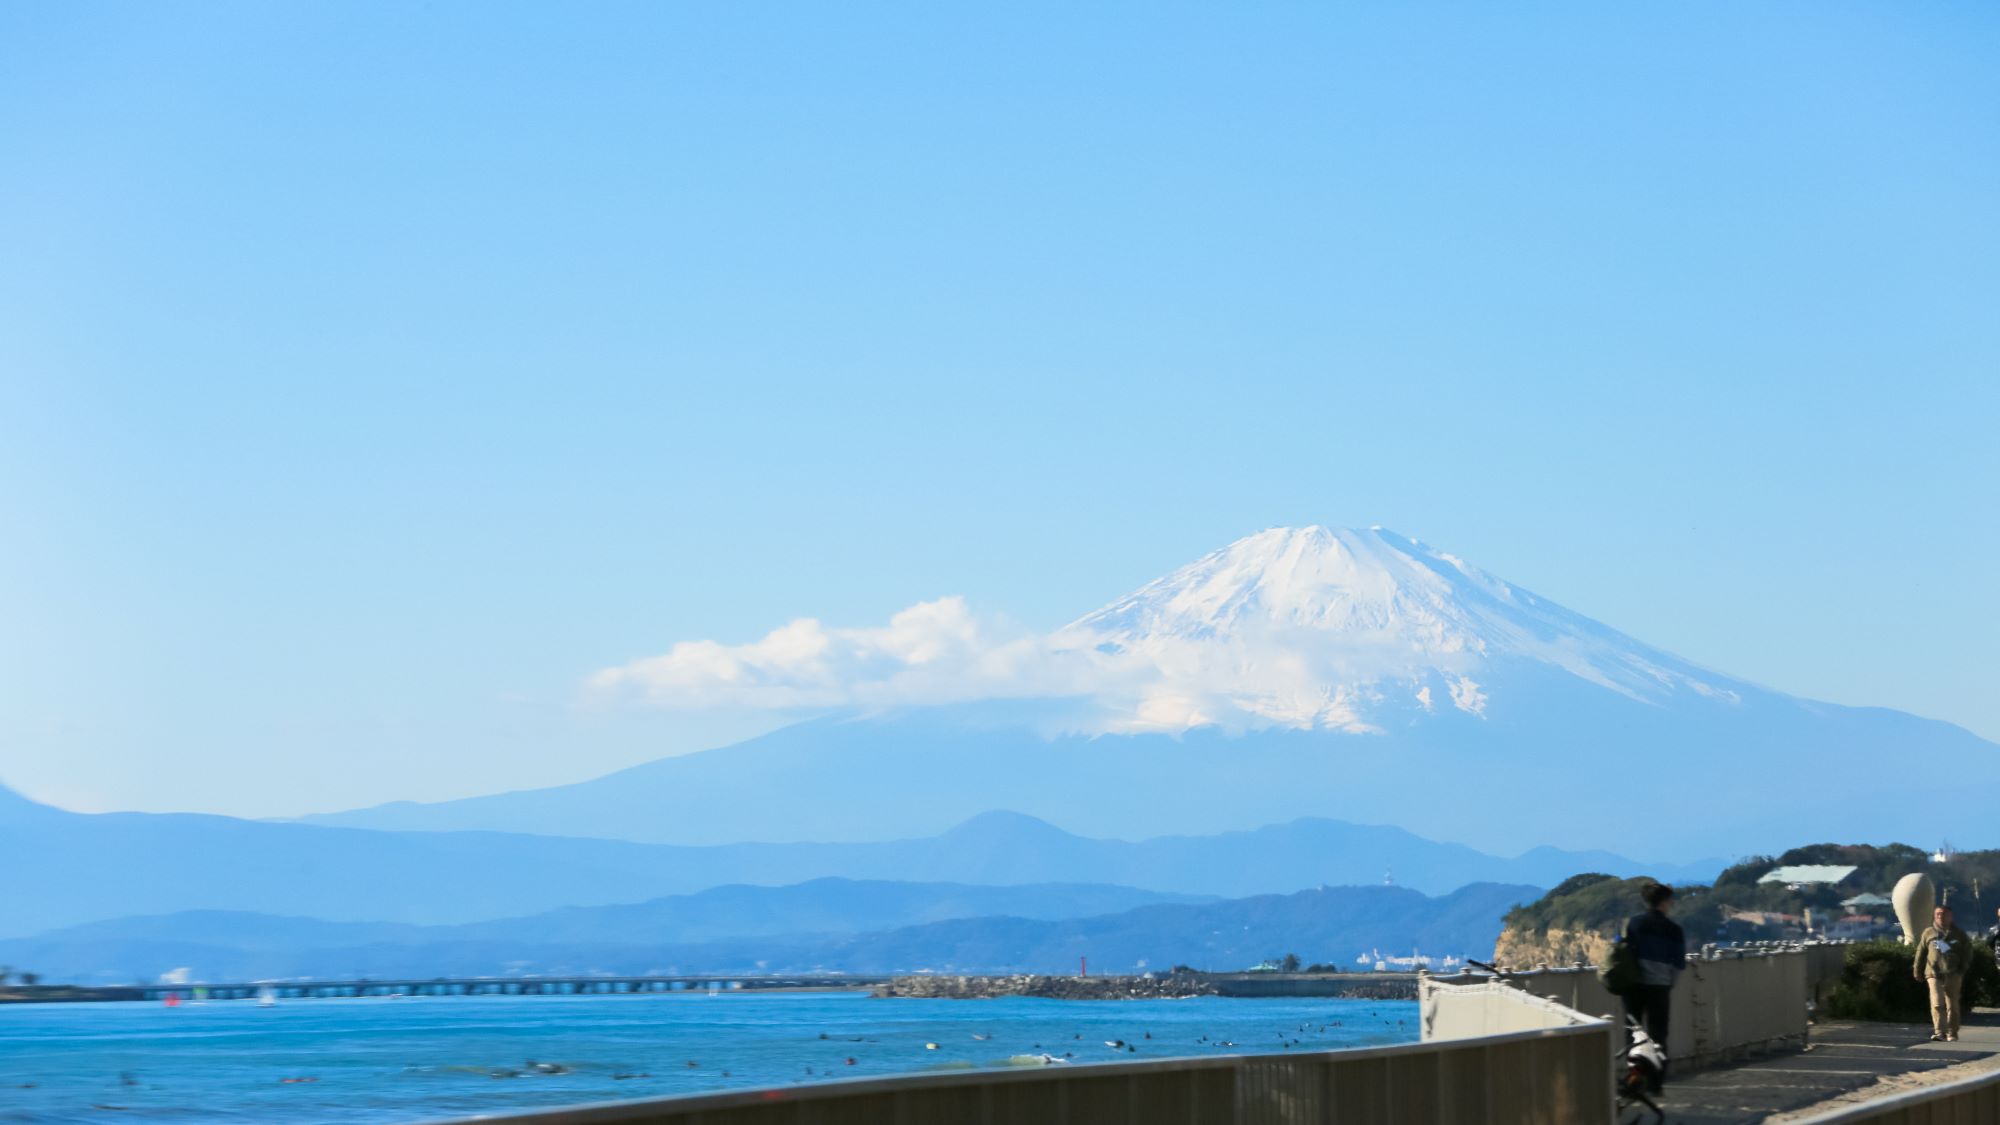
x=431 y=1058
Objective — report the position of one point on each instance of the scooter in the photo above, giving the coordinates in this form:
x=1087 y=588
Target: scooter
x=1639 y=1067
x=1644 y=1062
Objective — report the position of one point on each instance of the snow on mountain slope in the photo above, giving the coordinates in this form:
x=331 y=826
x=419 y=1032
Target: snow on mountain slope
x=1311 y=627
x=1301 y=628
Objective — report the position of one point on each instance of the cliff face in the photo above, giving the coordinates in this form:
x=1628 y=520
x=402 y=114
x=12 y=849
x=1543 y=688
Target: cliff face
x=1526 y=948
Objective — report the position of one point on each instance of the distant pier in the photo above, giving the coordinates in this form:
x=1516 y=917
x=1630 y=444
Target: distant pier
x=441 y=986
x=1370 y=986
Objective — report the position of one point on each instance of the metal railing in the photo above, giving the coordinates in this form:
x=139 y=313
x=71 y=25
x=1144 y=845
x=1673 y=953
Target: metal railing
x=1553 y=1076
x=1971 y=1101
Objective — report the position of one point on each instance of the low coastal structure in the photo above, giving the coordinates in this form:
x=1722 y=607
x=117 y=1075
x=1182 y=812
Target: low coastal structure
x=485 y=986
x=946 y=986
x=928 y=987
x=1353 y=986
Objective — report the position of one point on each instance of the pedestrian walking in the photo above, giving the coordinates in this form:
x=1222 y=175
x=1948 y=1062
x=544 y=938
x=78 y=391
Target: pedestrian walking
x=1661 y=949
x=1944 y=952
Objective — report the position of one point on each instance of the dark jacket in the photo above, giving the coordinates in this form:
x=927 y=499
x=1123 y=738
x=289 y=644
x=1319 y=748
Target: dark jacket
x=1660 y=946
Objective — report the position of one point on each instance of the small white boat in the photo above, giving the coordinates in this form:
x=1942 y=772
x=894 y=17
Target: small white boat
x=267 y=996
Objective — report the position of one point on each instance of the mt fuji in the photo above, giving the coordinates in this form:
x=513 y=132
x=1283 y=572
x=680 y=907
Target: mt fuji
x=1348 y=630
x=1297 y=672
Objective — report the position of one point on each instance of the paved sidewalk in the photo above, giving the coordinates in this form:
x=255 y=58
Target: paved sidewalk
x=1842 y=1058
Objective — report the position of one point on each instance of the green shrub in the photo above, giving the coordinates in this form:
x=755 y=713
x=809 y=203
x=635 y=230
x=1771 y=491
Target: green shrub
x=1581 y=902
x=1982 y=981
x=1875 y=984
x=1601 y=903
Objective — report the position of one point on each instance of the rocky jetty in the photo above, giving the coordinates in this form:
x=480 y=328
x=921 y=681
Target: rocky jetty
x=65 y=993
x=1052 y=987
x=1400 y=988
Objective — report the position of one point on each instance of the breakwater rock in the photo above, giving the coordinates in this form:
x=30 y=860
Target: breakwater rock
x=65 y=993
x=1398 y=989
x=1348 y=986
x=1051 y=987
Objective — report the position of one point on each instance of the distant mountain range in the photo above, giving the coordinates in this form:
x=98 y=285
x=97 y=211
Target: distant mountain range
x=78 y=868
x=1296 y=673
x=808 y=927
x=819 y=906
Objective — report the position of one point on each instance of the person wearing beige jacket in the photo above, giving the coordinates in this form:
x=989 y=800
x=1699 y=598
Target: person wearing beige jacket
x=1944 y=952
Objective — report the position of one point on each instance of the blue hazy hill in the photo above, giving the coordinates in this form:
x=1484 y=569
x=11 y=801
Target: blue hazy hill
x=1331 y=924
x=815 y=906
x=1732 y=776
x=91 y=867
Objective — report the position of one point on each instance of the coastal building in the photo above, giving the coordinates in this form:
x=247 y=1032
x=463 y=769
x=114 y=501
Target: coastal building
x=1858 y=927
x=1761 y=918
x=1798 y=876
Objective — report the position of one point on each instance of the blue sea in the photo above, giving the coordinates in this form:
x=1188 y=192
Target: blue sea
x=430 y=1058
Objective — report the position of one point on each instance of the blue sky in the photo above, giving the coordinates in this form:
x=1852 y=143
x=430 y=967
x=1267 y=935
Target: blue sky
x=372 y=374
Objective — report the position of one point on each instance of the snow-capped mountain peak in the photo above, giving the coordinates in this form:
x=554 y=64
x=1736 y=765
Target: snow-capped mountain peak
x=1315 y=626
x=1309 y=577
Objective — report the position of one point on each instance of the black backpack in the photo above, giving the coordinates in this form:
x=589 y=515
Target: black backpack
x=1620 y=968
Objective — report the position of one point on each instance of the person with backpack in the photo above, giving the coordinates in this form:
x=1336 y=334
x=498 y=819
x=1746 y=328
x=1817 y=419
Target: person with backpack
x=1944 y=953
x=1657 y=944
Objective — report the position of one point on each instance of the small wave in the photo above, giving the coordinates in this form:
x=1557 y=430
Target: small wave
x=1032 y=1060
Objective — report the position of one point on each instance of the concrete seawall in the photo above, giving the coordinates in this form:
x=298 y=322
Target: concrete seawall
x=1729 y=1005
x=1354 y=986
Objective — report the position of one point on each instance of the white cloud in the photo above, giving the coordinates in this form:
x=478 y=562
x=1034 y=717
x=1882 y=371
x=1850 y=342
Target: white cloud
x=932 y=652
x=940 y=652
